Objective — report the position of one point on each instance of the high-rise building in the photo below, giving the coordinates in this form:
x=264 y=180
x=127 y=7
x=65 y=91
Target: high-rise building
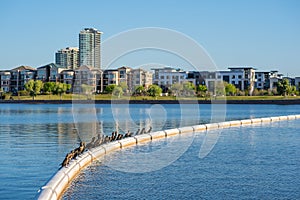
x=89 y=48
x=68 y=57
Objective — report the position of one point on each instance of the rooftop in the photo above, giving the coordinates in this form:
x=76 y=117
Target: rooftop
x=90 y=30
x=22 y=68
x=241 y=67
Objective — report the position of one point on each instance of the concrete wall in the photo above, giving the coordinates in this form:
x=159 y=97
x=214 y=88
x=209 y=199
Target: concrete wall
x=57 y=185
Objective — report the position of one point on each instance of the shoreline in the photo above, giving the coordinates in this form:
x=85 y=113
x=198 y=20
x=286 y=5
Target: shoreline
x=267 y=101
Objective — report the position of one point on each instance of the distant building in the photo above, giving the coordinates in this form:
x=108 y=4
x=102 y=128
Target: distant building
x=110 y=76
x=20 y=76
x=139 y=77
x=197 y=76
x=211 y=79
x=274 y=78
x=49 y=73
x=167 y=76
x=247 y=80
x=262 y=80
x=90 y=76
x=68 y=58
x=89 y=48
x=67 y=76
x=5 y=77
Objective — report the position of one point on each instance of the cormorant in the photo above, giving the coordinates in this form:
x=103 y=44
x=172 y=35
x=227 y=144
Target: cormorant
x=137 y=132
x=91 y=144
x=142 y=131
x=150 y=129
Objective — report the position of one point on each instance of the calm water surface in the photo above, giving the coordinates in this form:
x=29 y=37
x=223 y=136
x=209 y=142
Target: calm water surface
x=35 y=138
x=256 y=162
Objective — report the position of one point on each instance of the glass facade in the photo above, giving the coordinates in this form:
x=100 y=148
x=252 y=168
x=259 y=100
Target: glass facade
x=89 y=48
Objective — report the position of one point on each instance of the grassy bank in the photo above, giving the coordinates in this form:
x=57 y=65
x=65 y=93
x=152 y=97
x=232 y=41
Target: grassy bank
x=167 y=98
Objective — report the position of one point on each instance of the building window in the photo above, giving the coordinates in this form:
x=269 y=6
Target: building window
x=162 y=77
x=122 y=74
x=233 y=76
x=240 y=76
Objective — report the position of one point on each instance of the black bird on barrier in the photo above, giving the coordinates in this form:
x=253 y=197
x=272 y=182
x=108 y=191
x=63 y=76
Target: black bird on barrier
x=142 y=131
x=150 y=129
x=91 y=144
x=137 y=132
x=67 y=159
x=79 y=150
x=98 y=141
x=128 y=134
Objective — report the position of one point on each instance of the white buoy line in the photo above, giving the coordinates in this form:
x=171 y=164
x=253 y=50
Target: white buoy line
x=58 y=184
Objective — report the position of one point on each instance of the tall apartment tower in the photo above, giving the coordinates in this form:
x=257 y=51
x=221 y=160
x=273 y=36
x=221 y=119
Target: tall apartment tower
x=89 y=48
x=68 y=57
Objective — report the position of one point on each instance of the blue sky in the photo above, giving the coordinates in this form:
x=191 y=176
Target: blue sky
x=260 y=33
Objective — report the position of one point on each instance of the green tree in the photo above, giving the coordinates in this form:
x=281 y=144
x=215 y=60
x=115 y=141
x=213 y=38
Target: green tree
x=139 y=90
x=110 y=88
x=292 y=90
x=283 y=87
x=49 y=87
x=118 y=91
x=176 y=89
x=202 y=89
x=61 y=88
x=154 y=91
x=230 y=89
x=123 y=86
x=188 y=88
x=220 y=88
x=34 y=87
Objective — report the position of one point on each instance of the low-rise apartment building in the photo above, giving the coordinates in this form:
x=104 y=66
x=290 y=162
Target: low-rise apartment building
x=20 y=76
x=5 y=77
x=274 y=78
x=89 y=76
x=167 y=76
x=139 y=77
x=49 y=73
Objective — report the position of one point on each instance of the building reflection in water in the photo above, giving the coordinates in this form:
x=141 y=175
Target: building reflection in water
x=89 y=120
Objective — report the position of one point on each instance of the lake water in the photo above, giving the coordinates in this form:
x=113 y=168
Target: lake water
x=257 y=161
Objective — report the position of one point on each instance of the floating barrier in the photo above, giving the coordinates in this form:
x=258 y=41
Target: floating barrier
x=127 y=142
x=143 y=138
x=212 y=126
x=199 y=128
x=172 y=132
x=266 y=119
x=58 y=184
x=188 y=129
x=158 y=135
x=256 y=121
